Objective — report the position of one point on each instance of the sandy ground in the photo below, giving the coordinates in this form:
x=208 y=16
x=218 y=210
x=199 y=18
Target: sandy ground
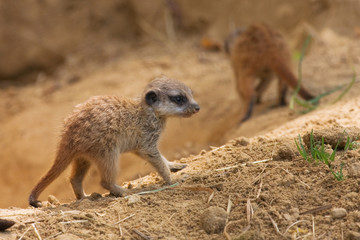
x=258 y=170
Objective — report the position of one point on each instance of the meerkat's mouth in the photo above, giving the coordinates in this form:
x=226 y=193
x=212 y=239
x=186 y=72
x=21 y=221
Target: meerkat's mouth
x=187 y=115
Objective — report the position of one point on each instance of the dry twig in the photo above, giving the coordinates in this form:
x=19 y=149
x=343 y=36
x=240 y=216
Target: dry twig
x=259 y=175
x=22 y=235
x=140 y=234
x=211 y=197
x=75 y=221
x=261 y=161
x=293 y=224
x=260 y=187
x=249 y=211
x=317 y=209
x=36 y=231
x=229 y=206
x=276 y=226
x=226 y=168
x=227 y=235
x=296 y=178
x=124 y=219
x=313 y=226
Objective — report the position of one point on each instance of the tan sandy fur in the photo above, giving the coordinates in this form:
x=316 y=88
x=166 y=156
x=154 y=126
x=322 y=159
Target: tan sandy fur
x=103 y=127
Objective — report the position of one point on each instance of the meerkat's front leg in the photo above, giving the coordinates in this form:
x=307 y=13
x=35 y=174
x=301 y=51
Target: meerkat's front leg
x=174 y=167
x=158 y=162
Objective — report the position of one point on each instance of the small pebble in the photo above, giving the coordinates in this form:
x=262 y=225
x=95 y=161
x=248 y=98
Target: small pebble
x=284 y=152
x=337 y=213
x=354 y=169
x=213 y=220
x=53 y=200
x=132 y=199
x=288 y=217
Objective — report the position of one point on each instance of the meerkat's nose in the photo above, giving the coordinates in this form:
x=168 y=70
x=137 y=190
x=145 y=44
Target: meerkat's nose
x=196 y=107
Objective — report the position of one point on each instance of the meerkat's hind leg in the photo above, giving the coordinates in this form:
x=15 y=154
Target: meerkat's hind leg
x=80 y=168
x=265 y=80
x=282 y=89
x=108 y=168
x=246 y=90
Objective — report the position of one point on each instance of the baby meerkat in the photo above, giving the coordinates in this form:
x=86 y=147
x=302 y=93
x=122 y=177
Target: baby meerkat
x=258 y=52
x=103 y=127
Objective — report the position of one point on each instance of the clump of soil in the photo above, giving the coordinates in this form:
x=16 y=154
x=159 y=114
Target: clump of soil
x=213 y=220
x=336 y=135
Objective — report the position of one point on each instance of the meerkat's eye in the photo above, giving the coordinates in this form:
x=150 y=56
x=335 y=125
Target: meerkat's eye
x=178 y=99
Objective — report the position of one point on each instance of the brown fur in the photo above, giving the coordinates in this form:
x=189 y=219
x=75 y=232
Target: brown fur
x=260 y=52
x=103 y=127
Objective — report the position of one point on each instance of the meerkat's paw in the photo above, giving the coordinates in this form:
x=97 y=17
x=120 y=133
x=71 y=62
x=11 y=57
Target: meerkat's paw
x=175 y=167
x=120 y=192
x=177 y=179
x=36 y=204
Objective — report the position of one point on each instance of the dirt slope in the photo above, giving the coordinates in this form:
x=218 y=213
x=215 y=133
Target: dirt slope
x=264 y=171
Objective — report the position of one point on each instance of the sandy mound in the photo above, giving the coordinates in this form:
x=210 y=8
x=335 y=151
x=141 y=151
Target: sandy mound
x=264 y=178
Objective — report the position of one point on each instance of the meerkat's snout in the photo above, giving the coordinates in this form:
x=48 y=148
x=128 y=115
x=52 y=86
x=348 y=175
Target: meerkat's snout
x=191 y=109
x=196 y=107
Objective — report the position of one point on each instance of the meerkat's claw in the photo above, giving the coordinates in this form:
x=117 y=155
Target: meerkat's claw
x=175 y=167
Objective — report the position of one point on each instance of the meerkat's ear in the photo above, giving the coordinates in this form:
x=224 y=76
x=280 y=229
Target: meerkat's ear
x=151 y=97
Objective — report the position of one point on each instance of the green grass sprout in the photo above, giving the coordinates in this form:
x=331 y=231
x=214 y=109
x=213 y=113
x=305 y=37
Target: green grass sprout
x=319 y=154
x=312 y=104
x=339 y=175
x=347 y=89
x=297 y=89
x=301 y=149
x=350 y=144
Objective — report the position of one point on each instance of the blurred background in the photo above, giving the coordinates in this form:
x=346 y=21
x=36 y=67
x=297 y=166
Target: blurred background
x=57 y=53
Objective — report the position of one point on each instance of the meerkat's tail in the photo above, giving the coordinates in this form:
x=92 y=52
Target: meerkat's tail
x=60 y=164
x=286 y=75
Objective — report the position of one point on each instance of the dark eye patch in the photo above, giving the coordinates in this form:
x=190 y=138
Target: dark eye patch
x=178 y=99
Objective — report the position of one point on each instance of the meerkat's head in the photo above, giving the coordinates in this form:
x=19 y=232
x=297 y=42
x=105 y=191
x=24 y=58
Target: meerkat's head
x=230 y=40
x=169 y=97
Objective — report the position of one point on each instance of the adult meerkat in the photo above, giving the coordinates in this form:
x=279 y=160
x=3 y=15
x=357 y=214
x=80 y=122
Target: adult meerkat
x=103 y=127
x=258 y=52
